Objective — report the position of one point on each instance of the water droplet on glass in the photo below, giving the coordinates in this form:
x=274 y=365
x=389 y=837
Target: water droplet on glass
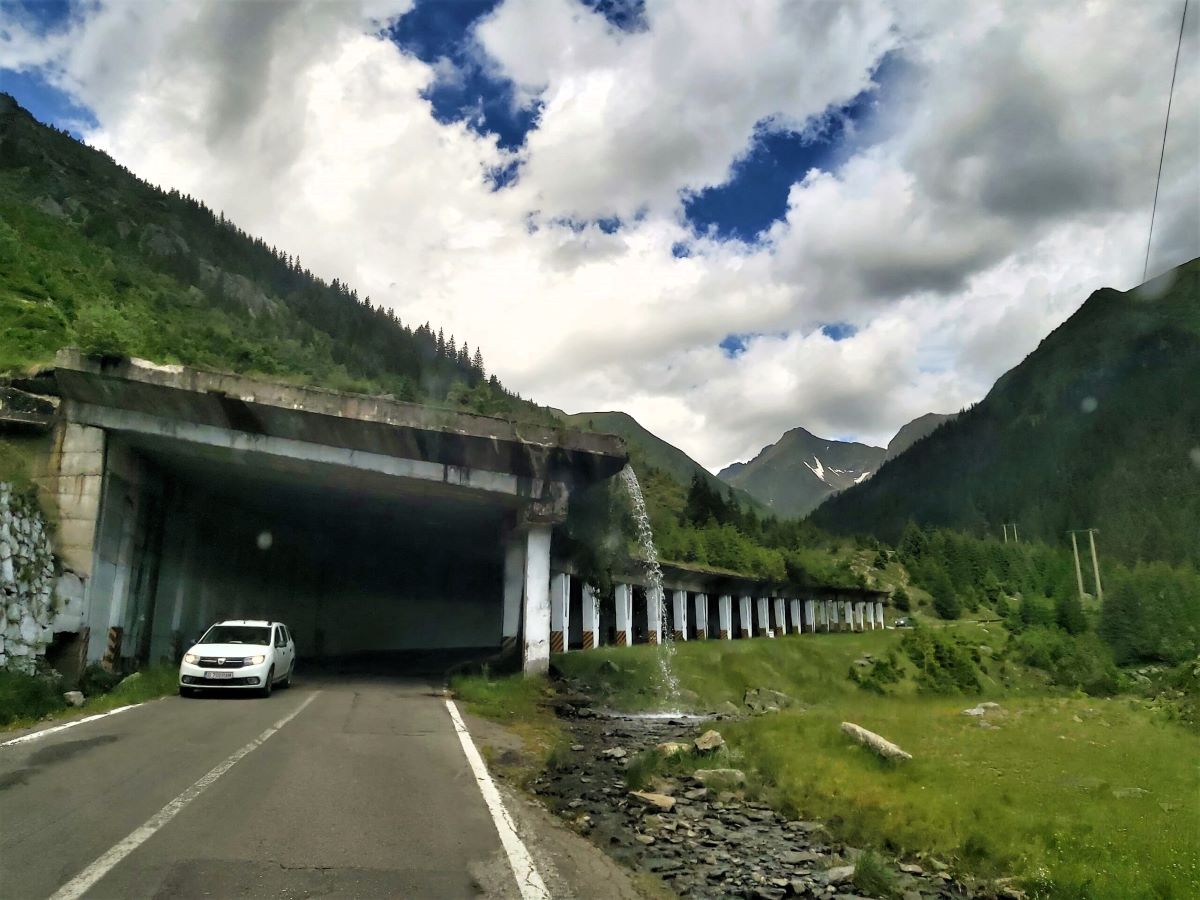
x=1195 y=455
x=265 y=540
x=1089 y=404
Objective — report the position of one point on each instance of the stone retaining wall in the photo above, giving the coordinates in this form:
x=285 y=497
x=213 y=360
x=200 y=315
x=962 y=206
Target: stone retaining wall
x=36 y=600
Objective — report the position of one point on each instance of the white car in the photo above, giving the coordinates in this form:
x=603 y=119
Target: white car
x=241 y=654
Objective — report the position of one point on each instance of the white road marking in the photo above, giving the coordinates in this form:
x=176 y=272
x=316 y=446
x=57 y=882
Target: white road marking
x=79 y=885
x=26 y=738
x=529 y=882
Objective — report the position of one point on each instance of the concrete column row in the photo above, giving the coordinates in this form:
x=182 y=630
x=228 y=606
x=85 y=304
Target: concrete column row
x=543 y=602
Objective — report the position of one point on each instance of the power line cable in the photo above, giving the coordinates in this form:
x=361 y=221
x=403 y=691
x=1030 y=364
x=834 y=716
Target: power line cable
x=1163 y=152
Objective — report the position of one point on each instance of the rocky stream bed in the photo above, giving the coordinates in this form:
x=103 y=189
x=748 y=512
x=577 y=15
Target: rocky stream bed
x=698 y=832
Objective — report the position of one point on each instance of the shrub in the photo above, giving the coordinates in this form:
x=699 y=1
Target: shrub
x=96 y=680
x=945 y=601
x=101 y=330
x=943 y=665
x=873 y=877
x=901 y=600
x=1076 y=661
x=29 y=696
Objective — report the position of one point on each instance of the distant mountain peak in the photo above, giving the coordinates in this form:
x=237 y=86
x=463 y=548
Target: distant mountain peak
x=801 y=469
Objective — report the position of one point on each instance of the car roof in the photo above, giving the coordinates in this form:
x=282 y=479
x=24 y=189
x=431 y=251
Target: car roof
x=262 y=622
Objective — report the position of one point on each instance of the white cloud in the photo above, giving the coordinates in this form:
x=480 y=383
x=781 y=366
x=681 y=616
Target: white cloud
x=1008 y=175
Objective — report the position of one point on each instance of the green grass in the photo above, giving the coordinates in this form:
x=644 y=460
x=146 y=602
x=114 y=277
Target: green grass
x=26 y=700
x=1052 y=795
x=520 y=704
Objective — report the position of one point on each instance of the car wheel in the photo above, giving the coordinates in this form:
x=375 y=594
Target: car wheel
x=186 y=691
x=287 y=679
x=265 y=691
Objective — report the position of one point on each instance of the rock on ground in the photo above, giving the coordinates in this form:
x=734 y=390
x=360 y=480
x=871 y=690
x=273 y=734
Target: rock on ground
x=880 y=745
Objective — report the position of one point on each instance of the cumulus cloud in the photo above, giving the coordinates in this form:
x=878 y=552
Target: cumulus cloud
x=1007 y=172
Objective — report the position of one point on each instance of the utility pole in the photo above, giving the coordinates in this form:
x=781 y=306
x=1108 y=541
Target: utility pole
x=1078 y=573
x=1091 y=533
x=1095 y=564
x=1006 y=526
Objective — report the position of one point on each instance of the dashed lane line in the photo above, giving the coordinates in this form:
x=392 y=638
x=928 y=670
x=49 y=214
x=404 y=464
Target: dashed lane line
x=80 y=884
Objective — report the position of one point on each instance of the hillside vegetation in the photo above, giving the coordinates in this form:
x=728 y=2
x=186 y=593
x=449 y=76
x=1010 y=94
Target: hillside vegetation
x=94 y=257
x=1098 y=428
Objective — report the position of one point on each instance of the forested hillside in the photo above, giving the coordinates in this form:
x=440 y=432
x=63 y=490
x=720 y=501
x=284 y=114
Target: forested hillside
x=92 y=256
x=1098 y=428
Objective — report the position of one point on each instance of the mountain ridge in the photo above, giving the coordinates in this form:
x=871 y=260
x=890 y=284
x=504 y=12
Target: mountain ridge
x=1098 y=427
x=797 y=472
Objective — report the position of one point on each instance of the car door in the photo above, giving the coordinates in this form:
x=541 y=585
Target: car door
x=282 y=660
x=290 y=646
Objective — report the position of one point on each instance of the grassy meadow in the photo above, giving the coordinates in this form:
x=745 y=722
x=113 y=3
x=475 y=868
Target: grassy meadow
x=1079 y=797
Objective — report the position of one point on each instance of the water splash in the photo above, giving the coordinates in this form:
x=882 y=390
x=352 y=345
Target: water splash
x=654 y=583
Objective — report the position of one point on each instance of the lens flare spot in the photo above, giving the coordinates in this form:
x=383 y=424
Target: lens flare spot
x=264 y=540
x=1089 y=404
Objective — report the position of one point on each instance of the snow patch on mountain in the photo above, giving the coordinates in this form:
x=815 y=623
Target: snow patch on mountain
x=819 y=471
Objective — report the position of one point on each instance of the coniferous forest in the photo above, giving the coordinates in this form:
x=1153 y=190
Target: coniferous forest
x=94 y=257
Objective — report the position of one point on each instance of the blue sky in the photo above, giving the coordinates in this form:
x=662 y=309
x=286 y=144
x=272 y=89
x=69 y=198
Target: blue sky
x=440 y=33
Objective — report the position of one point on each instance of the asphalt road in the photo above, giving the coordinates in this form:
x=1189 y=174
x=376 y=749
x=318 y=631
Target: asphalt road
x=365 y=793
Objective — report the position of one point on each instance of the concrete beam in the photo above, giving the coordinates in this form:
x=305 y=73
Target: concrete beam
x=624 y=612
x=536 y=657
x=591 y=617
x=679 y=622
x=514 y=588
x=560 y=611
x=654 y=616
x=700 y=602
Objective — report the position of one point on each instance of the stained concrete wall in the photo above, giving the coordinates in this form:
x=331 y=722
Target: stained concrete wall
x=345 y=585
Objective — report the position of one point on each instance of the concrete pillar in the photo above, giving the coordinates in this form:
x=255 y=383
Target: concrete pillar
x=745 y=618
x=590 y=614
x=514 y=590
x=830 y=614
x=781 y=615
x=764 y=617
x=797 y=622
x=700 y=602
x=870 y=617
x=679 y=623
x=560 y=611
x=849 y=608
x=624 y=604
x=859 y=616
x=654 y=616
x=810 y=614
x=879 y=612
x=537 y=600
x=725 y=617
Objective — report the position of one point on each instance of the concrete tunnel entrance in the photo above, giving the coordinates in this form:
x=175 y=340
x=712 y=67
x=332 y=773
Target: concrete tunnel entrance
x=376 y=530
x=362 y=570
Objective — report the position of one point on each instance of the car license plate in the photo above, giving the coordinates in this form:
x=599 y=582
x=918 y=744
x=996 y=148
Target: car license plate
x=219 y=674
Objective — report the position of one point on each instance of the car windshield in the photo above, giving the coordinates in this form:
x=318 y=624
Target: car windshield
x=237 y=634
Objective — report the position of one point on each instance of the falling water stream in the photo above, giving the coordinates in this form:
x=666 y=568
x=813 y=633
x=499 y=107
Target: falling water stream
x=654 y=584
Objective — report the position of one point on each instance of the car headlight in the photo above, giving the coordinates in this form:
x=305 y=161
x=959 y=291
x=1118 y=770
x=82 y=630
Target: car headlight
x=257 y=660
x=191 y=658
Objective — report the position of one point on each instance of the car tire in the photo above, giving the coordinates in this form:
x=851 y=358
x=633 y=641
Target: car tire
x=187 y=692
x=265 y=690
x=287 y=679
